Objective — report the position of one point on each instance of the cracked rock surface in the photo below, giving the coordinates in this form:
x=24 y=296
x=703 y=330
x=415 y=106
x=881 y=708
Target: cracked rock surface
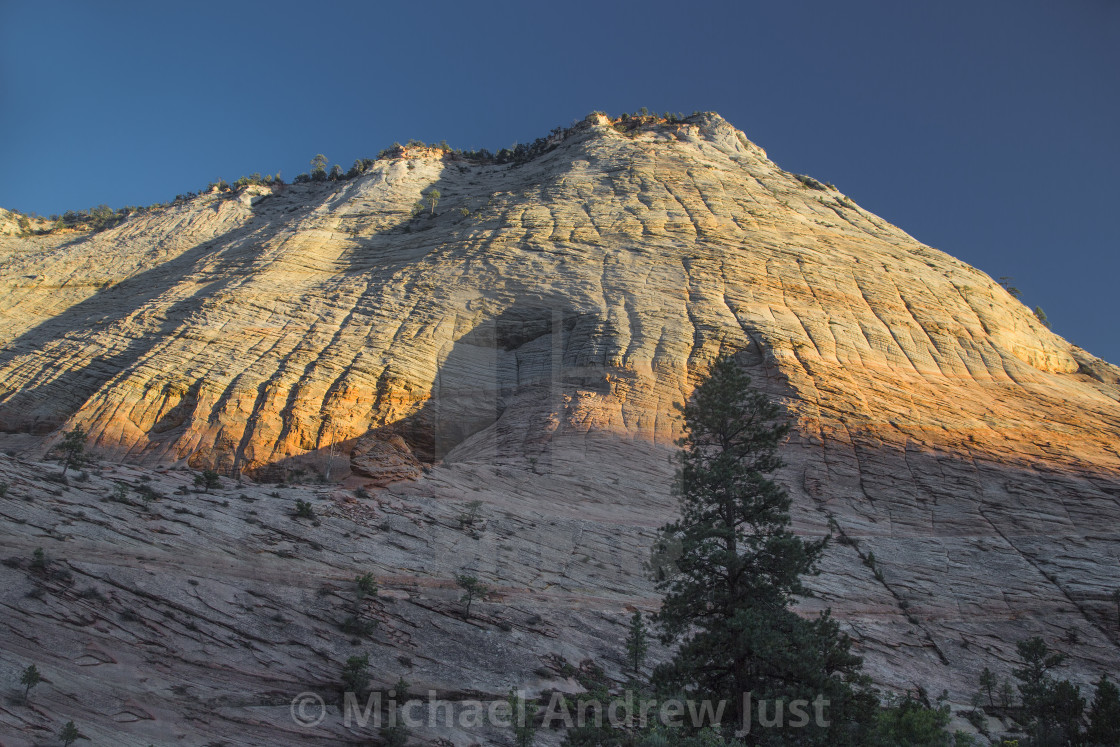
x=500 y=373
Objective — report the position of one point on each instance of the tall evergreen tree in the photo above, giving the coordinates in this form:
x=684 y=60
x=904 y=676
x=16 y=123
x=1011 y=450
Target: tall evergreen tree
x=1104 y=714
x=1052 y=709
x=637 y=645
x=988 y=683
x=737 y=568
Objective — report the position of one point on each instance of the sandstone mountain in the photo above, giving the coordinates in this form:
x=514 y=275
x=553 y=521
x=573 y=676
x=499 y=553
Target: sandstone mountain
x=499 y=368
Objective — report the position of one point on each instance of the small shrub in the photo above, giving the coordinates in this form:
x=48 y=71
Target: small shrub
x=92 y=592
x=366 y=585
x=120 y=493
x=69 y=734
x=148 y=493
x=913 y=720
x=355 y=675
x=356 y=626
x=207 y=480
x=304 y=510
x=394 y=736
x=39 y=561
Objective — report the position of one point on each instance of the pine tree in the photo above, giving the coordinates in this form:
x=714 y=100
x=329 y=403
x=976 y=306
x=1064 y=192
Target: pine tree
x=69 y=734
x=73 y=448
x=1038 y=660
x=737 y=567
x=319 y=168
x=1062 y=713
x=1104 y=714
x=1052 y=708
x=637 y=645
x=355 y=675
x=522 y=719
x=987 y=684
x=472 y=588
x=29 y=678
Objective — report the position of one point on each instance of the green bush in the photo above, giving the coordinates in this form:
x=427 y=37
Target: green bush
x=914 y=721
x=29 y=678
x=1040 y=315
x=207 y=480
x=69 y=734
x=1104 y=714
x=472 y=588
x=319 y=168
x=355 y=675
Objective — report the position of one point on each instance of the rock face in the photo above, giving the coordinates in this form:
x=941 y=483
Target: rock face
x=522 y=344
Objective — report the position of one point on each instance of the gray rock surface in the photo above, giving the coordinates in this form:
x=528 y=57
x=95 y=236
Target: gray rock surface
x=500 y=380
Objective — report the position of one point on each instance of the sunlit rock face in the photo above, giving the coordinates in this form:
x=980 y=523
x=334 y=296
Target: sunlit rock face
x=538 y=324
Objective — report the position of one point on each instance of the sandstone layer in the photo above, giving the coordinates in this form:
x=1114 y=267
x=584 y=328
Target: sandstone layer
x=523 y=343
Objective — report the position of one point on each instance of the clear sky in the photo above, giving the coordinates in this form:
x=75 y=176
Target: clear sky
x=989 y=129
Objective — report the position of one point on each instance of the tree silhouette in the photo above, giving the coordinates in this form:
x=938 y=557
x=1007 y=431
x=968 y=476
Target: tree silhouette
x=29 y=678
x=319 y=167
x=738 y=567
x=472 y=588
x=73 y=448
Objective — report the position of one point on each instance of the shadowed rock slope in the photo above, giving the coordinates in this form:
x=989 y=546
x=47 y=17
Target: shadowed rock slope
x=522 y=344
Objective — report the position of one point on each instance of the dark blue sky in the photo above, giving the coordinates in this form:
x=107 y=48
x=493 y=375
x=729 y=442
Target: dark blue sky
x=988 y=129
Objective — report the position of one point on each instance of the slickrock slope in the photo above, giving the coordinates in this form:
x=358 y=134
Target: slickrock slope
x=523 y=344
